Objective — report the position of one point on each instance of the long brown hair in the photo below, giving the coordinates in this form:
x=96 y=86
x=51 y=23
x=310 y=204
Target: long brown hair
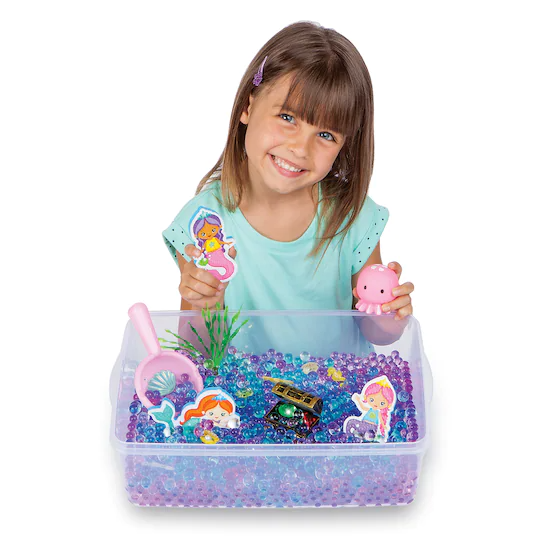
x=331 y=88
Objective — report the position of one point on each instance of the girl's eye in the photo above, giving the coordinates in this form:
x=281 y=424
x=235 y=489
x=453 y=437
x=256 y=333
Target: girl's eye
x=203 y=234
x=327 y=136
x=222 y=414
x=371 y=400
x=382 y=403
x=211 y=414
x=287 y=117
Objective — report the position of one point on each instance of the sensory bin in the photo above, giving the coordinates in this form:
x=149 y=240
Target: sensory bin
x=276 y=453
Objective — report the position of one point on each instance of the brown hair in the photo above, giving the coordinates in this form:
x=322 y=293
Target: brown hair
x=331 y=88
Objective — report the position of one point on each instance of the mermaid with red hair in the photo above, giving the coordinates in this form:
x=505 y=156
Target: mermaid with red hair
x=377 y=401
x=211 y=404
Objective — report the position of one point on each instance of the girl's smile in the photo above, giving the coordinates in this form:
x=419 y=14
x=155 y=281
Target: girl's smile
x=286 y=168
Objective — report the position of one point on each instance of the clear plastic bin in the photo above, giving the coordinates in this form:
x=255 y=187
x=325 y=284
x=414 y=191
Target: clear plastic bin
x=297 y=473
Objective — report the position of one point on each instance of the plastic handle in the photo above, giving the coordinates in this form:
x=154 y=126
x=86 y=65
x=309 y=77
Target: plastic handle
x=140 y=317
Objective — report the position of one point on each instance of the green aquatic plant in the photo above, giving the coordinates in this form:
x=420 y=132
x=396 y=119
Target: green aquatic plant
x=220 y=333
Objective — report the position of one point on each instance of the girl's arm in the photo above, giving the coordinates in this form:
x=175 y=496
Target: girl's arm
x=378 y=330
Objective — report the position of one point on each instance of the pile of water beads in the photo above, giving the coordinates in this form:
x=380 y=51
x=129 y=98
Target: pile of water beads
x=269 y=480
x=241 y=375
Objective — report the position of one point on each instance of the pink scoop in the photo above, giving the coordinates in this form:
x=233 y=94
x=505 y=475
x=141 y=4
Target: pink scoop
x=158 y=359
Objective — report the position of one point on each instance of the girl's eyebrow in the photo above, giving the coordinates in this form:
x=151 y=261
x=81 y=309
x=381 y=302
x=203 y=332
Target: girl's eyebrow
x=281 y=107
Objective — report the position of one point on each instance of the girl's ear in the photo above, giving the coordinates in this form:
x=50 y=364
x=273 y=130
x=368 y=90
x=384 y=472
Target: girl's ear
x=247 y=112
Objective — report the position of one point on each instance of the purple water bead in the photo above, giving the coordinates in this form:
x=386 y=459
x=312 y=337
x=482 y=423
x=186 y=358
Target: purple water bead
x=207 y=424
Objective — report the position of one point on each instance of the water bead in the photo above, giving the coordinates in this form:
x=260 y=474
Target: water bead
x=372 y=371
x=403 y=396
x=135 y=407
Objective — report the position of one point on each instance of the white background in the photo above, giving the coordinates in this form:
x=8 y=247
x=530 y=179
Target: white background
x=111 y=112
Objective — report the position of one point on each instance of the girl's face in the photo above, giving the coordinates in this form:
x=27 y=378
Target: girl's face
x=218 y=415
x=285 y=154
x=208 y=231
x=377 y=401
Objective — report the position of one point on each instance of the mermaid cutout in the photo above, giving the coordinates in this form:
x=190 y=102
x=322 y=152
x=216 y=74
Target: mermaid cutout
x=206 y=228
x=376 y=401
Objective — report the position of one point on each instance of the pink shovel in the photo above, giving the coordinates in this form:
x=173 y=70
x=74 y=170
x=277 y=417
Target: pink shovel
x=158 y=360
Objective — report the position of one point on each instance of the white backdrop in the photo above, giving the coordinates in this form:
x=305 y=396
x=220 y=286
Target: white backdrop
x=111 y=112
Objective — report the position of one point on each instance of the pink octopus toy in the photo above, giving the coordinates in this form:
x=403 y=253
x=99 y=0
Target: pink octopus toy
x=374 y=288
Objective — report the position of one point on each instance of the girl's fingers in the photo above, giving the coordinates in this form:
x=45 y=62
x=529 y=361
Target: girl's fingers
x=396 y=304
x=189 y=294
x=203 y=288
x=192 y=251
x=396 y=267
x=404 y=312
x=406 y=288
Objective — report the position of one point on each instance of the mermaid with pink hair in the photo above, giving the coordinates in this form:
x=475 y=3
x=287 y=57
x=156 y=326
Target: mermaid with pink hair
x=207 y=231
x=377 y=401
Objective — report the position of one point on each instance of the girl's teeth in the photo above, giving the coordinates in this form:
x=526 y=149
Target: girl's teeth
x=284 y=165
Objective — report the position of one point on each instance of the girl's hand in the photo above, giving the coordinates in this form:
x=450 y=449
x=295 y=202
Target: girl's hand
x=402 y=303
x=197 y=286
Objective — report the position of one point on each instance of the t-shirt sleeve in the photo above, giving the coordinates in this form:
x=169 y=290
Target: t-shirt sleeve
x=367 y=231
x=177 y=236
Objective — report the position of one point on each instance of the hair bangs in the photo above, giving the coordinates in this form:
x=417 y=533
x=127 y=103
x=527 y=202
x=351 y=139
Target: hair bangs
x=325 y=98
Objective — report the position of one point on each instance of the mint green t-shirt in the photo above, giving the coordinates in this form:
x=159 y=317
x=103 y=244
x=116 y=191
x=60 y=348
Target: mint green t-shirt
x=275 y=275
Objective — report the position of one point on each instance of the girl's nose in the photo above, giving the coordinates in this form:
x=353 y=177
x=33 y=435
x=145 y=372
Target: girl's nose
x=298 y=144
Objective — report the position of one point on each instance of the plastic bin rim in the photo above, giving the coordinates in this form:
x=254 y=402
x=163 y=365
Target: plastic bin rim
x=309 y=449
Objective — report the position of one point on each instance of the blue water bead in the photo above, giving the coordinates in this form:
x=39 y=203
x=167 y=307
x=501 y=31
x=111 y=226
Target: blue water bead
x=312 y=376
x=372 y=371
x=276 y=373
x=403 y=396
x=289 y=436
x=304 y=356
x=297 y=362
x=135 y=407
x=321 y=437
x=288 y=357
x=150 y=431
x=240 y=402
x=329 y=362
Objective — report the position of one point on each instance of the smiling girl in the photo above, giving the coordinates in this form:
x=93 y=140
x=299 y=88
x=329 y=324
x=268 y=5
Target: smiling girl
x=291 y=185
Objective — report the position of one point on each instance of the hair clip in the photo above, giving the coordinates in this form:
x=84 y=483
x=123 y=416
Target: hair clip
x=259 y=75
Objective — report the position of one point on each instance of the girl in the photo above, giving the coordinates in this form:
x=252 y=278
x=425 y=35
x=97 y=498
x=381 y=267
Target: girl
x=291 y=184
